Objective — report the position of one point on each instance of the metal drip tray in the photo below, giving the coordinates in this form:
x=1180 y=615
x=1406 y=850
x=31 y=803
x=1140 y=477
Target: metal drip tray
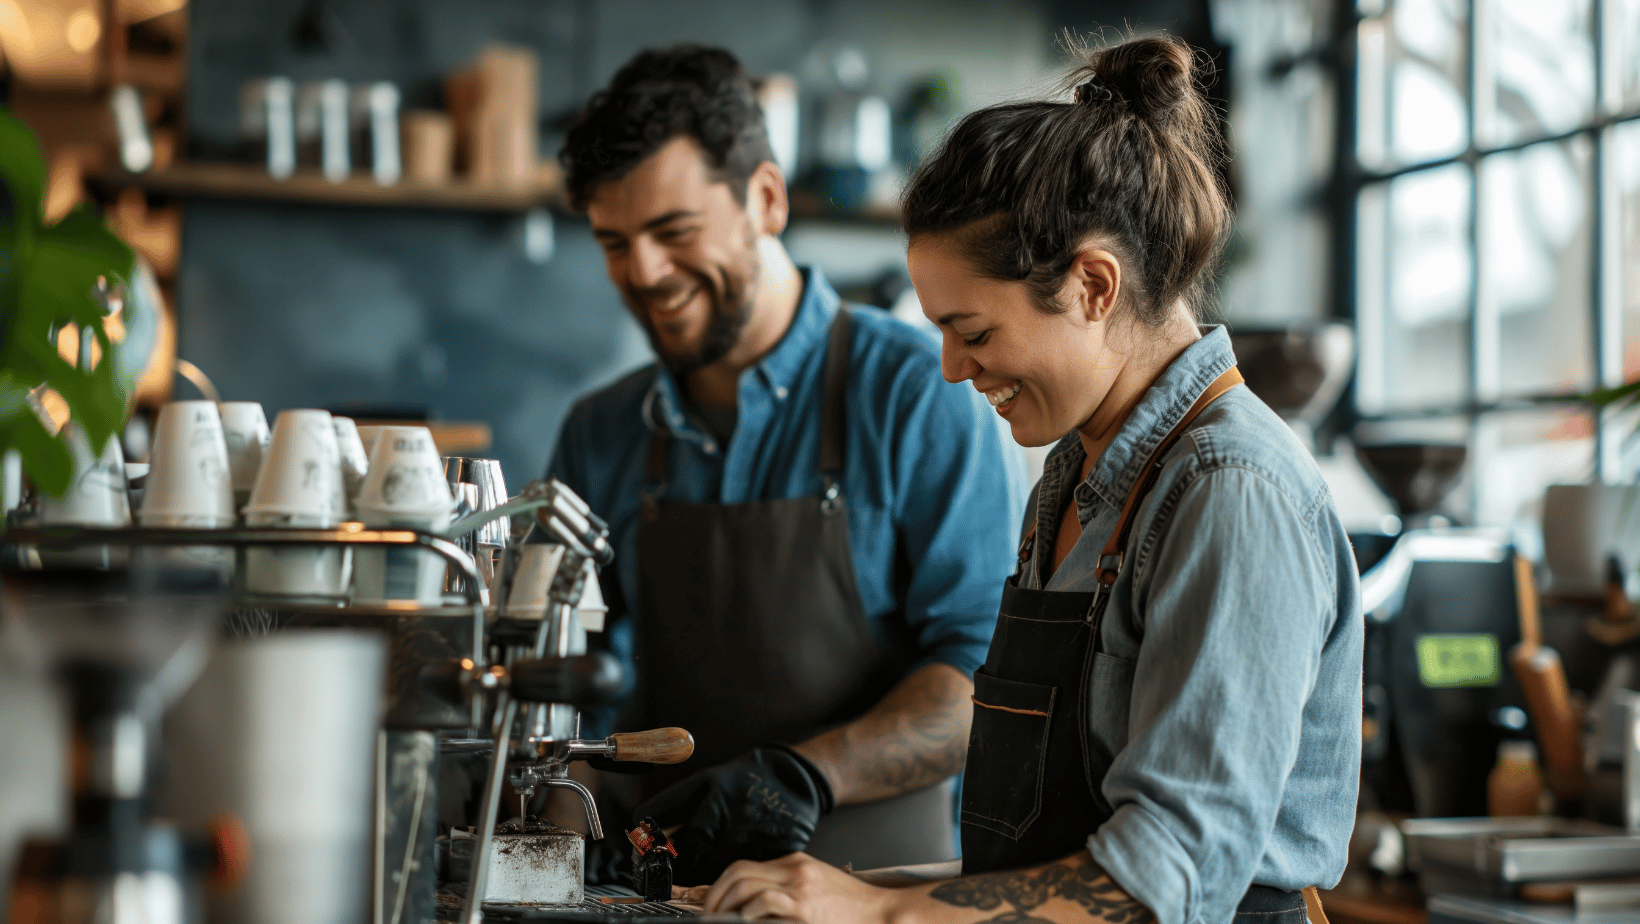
x=1522 y=849
x=591 y=909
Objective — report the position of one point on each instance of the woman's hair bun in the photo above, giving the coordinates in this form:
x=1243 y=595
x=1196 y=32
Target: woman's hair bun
x=1155 y=77
x=1133 y=158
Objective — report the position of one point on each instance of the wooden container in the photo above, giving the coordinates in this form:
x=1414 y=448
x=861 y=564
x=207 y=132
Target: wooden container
x=428 y=140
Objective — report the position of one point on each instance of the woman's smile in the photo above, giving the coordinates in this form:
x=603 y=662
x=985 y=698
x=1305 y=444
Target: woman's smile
x=1000 y=397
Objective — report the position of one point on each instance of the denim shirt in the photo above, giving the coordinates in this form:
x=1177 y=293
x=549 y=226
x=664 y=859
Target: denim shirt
x=933 y=492
x=1235 y=626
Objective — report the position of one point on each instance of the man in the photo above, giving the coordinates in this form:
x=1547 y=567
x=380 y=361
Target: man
x=811 y=527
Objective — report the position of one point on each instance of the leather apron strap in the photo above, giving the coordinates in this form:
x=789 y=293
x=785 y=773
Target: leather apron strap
x=1110 y=558
x=1312 y=905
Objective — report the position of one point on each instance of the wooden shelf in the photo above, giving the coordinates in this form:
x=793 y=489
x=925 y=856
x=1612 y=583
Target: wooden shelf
x=248 y=181
x=217 y=180
x=808 y=206
x=453 y=437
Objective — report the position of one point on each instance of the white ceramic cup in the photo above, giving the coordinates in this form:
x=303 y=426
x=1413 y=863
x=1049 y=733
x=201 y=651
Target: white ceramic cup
x=188 y=483
x=355 y=460
x=537 y=564
x=295 y=571
x=96 y=497
x=405 y=488
x=245 y=430
x=399 y=573
x=406 y=475
x=301 y=476
x=300 y=484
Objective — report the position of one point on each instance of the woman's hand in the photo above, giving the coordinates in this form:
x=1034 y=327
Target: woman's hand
x=800 y=888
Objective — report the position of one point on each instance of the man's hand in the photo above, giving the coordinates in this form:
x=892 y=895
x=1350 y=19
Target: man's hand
x=761 y=805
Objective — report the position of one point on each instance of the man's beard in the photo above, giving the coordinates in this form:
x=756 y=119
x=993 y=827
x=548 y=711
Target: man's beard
x=728 y=305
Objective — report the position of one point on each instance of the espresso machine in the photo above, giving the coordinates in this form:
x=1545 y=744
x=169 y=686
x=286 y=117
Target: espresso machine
x=510 y=687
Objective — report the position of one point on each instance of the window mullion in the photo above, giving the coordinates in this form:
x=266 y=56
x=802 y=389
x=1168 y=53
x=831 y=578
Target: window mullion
x=1607 y=290
x=1483 y=345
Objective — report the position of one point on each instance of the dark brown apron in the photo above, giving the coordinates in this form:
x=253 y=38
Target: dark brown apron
x=753 y=631
x=1036 y=759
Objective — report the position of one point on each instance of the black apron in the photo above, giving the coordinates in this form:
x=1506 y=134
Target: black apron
x=1037 y=757
x=753 y=631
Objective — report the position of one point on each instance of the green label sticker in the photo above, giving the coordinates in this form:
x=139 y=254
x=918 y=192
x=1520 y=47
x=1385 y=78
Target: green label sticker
x=1458 y=660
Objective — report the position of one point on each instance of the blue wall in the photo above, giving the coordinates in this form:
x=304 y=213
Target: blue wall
x=300 y=306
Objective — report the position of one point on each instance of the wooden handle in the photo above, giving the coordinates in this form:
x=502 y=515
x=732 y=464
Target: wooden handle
x=1543 y=681
x=655 y=746
x=1526 y=601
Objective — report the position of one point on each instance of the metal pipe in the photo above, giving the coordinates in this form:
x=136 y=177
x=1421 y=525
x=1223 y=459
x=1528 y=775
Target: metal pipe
x=478 y=879
x=595 y=828
x=346 y=534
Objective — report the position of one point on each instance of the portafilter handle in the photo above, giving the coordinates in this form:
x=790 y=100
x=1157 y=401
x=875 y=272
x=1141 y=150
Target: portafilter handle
x=655 y=746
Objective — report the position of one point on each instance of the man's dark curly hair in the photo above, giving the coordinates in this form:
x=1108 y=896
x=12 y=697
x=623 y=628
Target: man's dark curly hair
x=693 y=90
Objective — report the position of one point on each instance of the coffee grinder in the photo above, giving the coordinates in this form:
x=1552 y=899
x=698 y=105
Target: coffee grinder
x=125 y=644
x=1442 y=614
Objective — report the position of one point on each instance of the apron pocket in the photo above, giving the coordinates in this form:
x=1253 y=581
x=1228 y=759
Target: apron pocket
x=1007 y=754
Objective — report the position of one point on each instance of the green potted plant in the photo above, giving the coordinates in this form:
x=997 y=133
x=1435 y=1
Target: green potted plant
x=51 y=274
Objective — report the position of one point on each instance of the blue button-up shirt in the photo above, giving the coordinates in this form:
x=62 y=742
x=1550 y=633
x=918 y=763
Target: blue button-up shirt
x=1234 y=636
x=926 y=472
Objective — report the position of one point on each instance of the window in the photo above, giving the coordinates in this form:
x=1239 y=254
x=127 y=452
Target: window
x=1496 y=225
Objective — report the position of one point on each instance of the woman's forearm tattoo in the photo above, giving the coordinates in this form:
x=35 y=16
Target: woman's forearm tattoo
x=1087 y=885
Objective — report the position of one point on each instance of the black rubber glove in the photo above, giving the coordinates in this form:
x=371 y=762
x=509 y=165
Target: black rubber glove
x=761 y=805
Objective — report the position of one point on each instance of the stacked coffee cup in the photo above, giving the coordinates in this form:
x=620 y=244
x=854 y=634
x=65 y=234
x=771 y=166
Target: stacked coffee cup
x=96 y=497
x=245 y=429
x=405 y=488
x=188 y=484
x=355 y=461
x=299 y=485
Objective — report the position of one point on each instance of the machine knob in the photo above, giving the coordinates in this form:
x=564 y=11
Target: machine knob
x=655 y=746
x=583 y=681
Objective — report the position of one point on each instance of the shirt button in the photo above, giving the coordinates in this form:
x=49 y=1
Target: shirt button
x=780 y=392
x=710 y=447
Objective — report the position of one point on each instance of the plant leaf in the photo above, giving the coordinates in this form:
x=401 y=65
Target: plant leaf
x=1602 y=397
x=45 y=457
x=68 y=259
x=22 y=169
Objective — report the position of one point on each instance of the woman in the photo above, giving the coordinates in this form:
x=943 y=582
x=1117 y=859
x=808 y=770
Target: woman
x=1167 y=724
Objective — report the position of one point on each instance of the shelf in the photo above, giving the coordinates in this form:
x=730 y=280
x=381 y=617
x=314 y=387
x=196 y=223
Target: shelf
x=220 y=180
x=248 y=181
x=806 y=205
x=453 y=438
